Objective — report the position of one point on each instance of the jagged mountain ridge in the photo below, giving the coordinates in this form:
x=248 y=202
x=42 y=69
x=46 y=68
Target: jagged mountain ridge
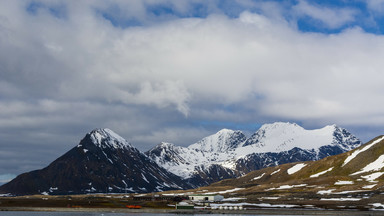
x=232 y=154
x=102 y=162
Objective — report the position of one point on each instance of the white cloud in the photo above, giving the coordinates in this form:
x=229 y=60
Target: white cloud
x=375 y=5
x=66 y=76
x=330 y=17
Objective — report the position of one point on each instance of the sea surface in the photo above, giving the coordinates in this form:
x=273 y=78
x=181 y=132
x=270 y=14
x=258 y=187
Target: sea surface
x=35 y=213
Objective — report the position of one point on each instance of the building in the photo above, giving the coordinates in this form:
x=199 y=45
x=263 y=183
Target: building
x=206 y=197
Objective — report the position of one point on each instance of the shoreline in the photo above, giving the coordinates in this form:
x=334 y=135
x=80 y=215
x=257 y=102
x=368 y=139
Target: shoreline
x=199 y=211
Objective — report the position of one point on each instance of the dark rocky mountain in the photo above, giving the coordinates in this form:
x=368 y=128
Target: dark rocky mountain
x=102 y=162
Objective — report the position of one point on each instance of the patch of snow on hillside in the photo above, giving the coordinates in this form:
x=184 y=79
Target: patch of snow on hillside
x=377 y=205
x=355 y=153
x=321 y=173
x=323 y=192
x=284 y=187
x=349 y=192
x=377 y=165
x=344 y=182
x=258 y=177
x=296 y=168
x=224 y=192
x=369 y=186
x=340 y=199
x=372 y=177
x=275 y=172
x=270 y=198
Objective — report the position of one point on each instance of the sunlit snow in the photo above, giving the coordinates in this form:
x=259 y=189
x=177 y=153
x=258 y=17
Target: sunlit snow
x=296 y=168
x=372 y=177
x=259 y=177
x=344 y=182
x=358 y=151
x=321 y=173
x=377 y=165
x=274 y=172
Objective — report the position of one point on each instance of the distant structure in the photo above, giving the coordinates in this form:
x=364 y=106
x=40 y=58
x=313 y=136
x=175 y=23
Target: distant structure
x=205 y=197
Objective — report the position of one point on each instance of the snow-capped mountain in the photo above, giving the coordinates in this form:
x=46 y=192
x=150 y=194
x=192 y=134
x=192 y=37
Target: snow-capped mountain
x=351 y=180
x=231 y=154
x=102 y=162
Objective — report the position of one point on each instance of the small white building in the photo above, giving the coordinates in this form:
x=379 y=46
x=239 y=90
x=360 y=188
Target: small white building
x=202 y=197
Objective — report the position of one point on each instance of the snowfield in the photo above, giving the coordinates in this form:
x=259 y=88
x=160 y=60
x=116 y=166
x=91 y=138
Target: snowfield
x=296 y=168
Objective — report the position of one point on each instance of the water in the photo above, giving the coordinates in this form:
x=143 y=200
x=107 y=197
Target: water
x=29 y=213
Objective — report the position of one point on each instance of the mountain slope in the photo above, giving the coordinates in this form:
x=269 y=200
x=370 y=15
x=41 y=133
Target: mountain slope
x=102 y=162
x=232 y=154
x=351 y=180
x=359 y=169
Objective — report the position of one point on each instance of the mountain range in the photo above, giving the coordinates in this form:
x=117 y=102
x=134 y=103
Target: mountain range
x=230 y=154
x=105 y=162
x=351 y=180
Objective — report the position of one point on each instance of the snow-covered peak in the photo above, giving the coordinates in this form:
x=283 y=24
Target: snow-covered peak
x=107 y=138
x=222 y=141
x=281 y=127
x=282 y=136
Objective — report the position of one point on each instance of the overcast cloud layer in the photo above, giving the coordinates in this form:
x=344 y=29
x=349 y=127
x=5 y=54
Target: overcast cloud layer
x=177 y=71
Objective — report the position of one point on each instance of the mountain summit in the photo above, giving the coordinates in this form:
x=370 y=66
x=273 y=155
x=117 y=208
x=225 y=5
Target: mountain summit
x=102 y=162
x=232 y=154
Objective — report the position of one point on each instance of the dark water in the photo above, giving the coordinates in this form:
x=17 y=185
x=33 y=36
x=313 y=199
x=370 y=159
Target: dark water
x=28 y=213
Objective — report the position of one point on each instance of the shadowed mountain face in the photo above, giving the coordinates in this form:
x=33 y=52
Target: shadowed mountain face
x=102 y=162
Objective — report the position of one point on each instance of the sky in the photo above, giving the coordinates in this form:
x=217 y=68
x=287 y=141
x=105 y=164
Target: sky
x=180 y=70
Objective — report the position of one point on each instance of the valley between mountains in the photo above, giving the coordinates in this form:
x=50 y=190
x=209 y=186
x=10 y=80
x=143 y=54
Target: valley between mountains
x=104 y=162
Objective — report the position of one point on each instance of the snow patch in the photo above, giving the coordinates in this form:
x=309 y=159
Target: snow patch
x=273 y=173
x=369 y=186
x=321 y=173
x=355 y=153
x=324 y=192
x=372 y=177
x=258 y=177
x=340 y=199
x=377 y=165
x=224 y=192
x=344 y=182
x=296 y=168
x=284 y=187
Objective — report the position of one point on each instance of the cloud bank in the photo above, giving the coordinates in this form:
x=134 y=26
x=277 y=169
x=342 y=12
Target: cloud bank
x=178 y=70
